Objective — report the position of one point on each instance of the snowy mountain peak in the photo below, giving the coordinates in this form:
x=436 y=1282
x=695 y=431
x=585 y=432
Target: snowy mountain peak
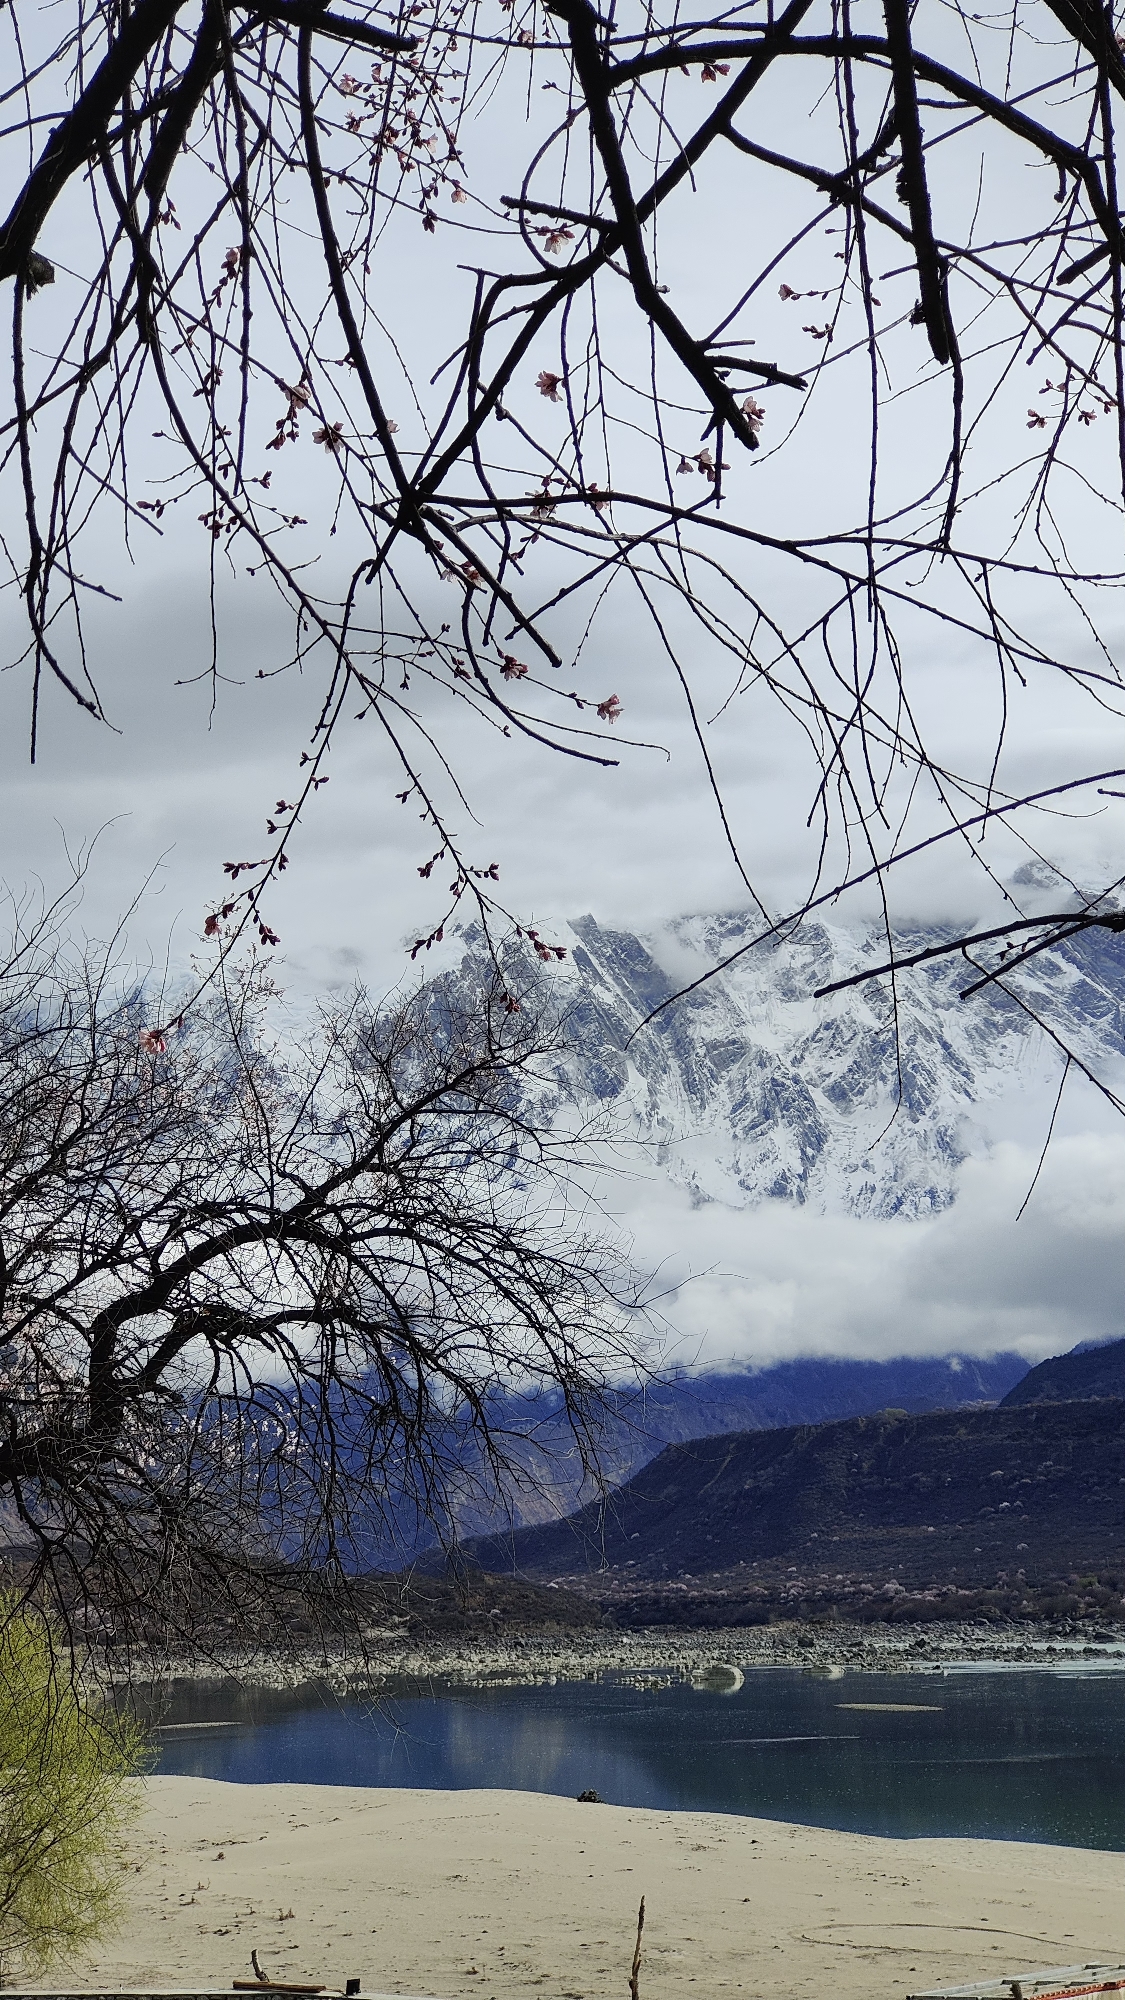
x=750 y=1090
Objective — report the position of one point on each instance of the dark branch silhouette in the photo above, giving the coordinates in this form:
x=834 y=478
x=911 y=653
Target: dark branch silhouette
x=905 y=210
x=263 y=1295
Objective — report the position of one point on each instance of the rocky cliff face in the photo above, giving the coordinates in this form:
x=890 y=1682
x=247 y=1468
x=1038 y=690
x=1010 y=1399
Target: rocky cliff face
x=865 y=1103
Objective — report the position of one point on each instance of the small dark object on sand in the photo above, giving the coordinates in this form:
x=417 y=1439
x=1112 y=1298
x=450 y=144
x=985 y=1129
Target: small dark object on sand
x=588 y=1799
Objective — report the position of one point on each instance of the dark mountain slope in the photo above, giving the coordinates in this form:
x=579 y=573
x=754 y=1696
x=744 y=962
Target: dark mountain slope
x=639 y=1423
x=394 y=1516
x=1071 y=1378
x=958 y=1495
x=548 y=1479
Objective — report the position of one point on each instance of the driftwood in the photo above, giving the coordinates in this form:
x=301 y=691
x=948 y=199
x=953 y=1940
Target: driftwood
x=273 y=1986
x=262 y=1983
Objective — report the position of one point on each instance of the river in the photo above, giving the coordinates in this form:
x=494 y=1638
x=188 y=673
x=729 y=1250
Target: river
x=1004 y=1754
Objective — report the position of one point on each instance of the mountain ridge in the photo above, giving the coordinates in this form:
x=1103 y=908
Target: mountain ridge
x=966 y=1496
x=749 y=1089
x=1087 y=1371
x=640 y=1422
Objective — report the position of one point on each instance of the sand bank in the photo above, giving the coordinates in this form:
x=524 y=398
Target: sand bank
x=494 y=1895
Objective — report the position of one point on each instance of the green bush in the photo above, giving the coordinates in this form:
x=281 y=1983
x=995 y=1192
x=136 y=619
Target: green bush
x=64 y=1802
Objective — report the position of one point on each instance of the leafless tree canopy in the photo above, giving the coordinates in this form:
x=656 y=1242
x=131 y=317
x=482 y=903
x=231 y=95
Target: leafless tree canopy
x=259 y=1296
x=888 y=428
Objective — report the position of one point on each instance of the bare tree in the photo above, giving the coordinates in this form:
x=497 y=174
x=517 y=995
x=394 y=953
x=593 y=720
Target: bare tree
x=261 y=1292
x=258 y=212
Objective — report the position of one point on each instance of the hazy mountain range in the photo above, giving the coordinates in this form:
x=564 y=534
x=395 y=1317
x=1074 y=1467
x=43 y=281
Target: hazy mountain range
x=749 y=1092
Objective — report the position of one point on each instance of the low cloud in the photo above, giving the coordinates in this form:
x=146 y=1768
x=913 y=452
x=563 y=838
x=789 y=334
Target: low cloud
x=778 y=1281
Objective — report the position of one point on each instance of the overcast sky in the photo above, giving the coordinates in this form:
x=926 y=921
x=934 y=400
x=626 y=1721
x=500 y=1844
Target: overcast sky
x=635 y=846
x=172 y=790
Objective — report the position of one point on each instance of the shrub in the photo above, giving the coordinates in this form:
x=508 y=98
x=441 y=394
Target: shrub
x=64 y=1802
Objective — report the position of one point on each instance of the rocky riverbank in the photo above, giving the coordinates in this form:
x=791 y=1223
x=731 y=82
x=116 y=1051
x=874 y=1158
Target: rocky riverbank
x=654 y=1656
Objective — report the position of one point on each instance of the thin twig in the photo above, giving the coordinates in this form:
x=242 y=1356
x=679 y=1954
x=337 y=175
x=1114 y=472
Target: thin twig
x=635 y=1974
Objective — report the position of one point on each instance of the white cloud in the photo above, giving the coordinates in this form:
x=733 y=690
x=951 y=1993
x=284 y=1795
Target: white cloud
x=778 y=1281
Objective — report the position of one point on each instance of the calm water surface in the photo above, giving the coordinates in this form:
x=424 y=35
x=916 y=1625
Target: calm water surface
x=1011 y=1755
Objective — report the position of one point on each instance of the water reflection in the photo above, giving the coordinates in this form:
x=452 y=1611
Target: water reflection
x=1036 y=1755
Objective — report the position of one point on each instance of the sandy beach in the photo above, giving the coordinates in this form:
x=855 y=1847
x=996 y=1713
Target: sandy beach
x=504 y=1894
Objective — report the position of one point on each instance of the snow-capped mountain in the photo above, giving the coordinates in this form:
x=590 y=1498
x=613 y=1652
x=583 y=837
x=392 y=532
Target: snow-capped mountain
x=750 y=1090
